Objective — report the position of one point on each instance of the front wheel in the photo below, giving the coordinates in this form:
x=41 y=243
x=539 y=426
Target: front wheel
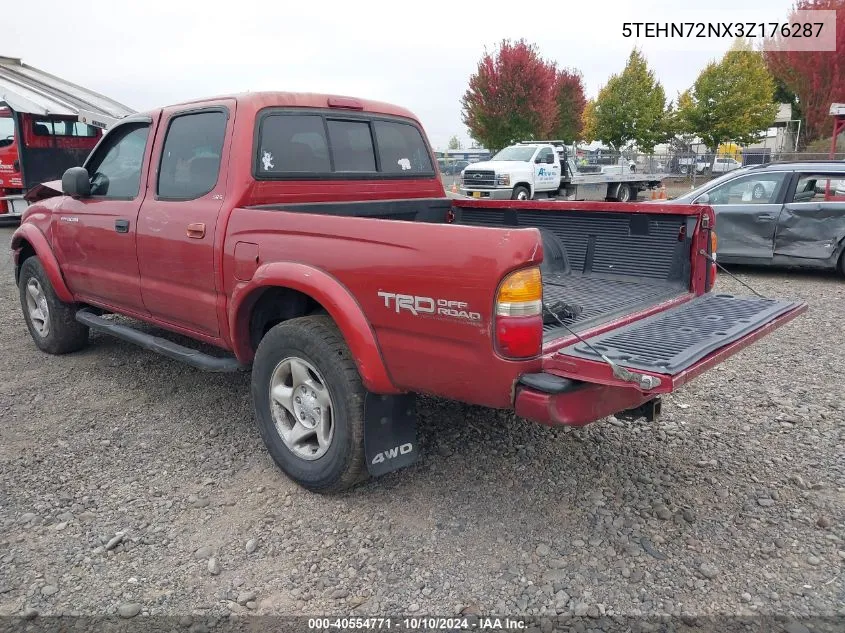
x=309 y=404
x=521 y=192
x=51 y=322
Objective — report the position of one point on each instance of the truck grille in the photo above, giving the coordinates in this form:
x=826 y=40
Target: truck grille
x=479 y=178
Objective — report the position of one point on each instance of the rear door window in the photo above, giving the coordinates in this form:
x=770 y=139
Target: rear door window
x=820 y=188
x=190 y=159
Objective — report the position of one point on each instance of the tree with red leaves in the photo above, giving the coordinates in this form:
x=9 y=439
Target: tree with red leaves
x=816 y=77
x=569 y=94
x=511 y=96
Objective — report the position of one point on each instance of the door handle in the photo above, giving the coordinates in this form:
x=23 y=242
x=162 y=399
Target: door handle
x=121 y=226
x=196 y=230
x=765 y=216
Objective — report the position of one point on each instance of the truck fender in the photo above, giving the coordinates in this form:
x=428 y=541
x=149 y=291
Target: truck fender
x=329 y=293
x=32 y=235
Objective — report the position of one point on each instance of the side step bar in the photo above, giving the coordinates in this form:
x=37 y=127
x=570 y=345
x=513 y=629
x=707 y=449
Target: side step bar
x=159 y=345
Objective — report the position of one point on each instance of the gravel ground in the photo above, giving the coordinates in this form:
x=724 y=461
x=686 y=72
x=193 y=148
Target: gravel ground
x=130 y=483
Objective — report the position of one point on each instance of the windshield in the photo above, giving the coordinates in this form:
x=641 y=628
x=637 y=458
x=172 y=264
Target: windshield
x=7 y=131
x=516 y=152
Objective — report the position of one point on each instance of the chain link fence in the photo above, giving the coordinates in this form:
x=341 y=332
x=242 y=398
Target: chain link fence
x=681 y=172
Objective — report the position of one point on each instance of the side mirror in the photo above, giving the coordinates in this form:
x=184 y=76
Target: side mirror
x=702 y=199
x=76 y=182
x=550 y=159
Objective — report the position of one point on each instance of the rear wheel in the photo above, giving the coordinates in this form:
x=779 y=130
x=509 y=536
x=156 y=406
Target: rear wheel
x=309 y=404
x=521 y=192
x=624 y=193
x=51 y=322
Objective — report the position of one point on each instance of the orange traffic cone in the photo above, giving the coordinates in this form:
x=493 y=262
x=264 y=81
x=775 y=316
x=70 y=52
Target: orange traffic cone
x=662 y=192
x=654 y=194
x=454 y=187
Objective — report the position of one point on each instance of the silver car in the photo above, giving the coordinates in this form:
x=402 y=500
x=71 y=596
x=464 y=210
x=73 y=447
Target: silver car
x=783 y=214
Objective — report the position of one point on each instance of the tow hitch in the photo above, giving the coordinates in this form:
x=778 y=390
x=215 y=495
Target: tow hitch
x=649 y=410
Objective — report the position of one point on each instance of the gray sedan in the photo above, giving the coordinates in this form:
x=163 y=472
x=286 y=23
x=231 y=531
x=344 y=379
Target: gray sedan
x=783 y=214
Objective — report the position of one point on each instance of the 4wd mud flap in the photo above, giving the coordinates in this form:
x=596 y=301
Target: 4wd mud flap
x=670 y=342
x=390 y=432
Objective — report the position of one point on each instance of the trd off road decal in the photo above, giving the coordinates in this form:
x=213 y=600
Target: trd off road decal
x=429 y=306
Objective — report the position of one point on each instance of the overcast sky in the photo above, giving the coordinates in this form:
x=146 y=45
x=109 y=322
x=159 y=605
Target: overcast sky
x=415 y=54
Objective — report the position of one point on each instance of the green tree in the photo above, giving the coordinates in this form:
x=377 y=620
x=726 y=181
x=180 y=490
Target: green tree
x=731 y=100
x=631 y=108
x=588 y=121
x=455 y=143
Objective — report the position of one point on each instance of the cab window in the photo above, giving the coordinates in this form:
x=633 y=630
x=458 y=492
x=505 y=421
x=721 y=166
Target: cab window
x=763 y=188
x=62 y=127
x=115 y=168
x=546 y=155
x=7 y=131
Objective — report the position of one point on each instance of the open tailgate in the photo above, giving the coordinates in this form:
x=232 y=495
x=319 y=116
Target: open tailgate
x=676 y=344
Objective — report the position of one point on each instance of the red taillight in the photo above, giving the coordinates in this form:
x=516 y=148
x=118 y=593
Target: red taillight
x=519 y=337
x=519 y=314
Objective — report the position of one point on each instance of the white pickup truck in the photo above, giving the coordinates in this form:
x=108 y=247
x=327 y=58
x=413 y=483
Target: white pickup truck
x=541 y=169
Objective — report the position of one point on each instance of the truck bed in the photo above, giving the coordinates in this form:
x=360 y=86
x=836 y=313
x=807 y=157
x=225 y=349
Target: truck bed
x=601 y=299
x=607 y=264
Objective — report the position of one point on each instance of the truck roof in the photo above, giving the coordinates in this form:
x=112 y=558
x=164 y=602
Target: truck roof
x=259 y=100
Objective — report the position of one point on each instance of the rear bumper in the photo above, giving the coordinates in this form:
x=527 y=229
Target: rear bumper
x=582 y=405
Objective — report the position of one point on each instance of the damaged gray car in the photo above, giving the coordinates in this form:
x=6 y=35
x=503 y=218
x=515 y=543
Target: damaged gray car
x=782 y=214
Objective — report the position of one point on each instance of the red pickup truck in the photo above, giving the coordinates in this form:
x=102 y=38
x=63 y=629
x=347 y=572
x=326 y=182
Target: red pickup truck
x=309 y=238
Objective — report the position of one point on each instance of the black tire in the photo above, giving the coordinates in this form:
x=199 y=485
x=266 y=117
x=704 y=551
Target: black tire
x=684 y=170
x=63 y=333
x=842 y=264
x=625 y=193
x=521 y=192
x=316 y=340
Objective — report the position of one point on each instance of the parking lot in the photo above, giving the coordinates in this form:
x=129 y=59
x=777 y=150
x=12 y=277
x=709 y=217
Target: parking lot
x=123 y=474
